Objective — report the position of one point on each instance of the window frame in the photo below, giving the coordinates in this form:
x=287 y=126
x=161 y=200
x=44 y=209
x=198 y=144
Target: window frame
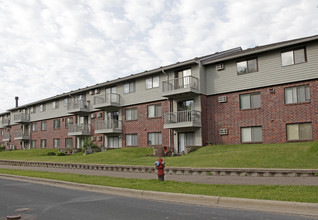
x=55 y=104
x=43 y=141
x=293 y=56
x=56 y=124
x=56 y=141
x=131 y=87
x=43 y=128
x=42 y=107
x=152 y=82
x=156 y=111
x=250 y=100
x=66 y=144
x=299 y=132
x=131 y=135
x=34 y=127
x=67 y=123
x=306 y=93
x=253 y=138
x=129 y=110
x=247 y=66
x=33 y=144
x=149 y=143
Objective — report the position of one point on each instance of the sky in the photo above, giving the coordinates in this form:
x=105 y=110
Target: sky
x=48 y=47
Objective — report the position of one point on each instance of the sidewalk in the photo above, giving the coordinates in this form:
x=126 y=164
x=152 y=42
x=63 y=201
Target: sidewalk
x=242 y=180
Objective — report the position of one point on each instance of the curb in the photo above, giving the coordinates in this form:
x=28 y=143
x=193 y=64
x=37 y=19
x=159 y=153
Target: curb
x=298 y=208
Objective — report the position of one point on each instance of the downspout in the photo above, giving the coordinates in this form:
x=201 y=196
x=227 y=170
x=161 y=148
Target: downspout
x=170 y=102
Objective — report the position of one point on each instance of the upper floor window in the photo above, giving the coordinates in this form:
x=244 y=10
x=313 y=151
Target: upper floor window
x=129 y=87
x=250 y=101
x=299 y=132
x=293 y=57
x=32 y=110
x=251 y=134
x=297 y=94
x=68 y=122
x=55 y=104
x=111 y=90
x=131 y=114
x=247 y=66
x=154 y=111
x=43 y=125
x=34 y=126
x=152 y=82
x=56 y=124
x=65 y=102
x=42 y=108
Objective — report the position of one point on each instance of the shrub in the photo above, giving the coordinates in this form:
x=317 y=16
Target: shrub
x=2 y=148
x=51 y=154
x=61 y=154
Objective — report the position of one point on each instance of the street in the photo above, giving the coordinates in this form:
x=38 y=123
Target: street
x=36 y=201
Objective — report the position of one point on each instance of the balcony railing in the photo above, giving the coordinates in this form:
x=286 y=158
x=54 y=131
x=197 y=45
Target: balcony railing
x=6 y=137
x=79 y=130
x=5 y=123
x=109 y=126
x=182 y=119
x=21 y=118
x=107 y=100
x=21 y=135
x=181 y=85
x=78 y=107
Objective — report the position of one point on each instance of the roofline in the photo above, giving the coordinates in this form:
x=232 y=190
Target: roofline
x=261 y=49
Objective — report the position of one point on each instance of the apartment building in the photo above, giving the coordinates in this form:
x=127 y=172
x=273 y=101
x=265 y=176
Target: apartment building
x=267 y=94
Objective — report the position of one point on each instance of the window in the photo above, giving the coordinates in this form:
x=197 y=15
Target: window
x=33 y=143
x=154 y=111
x=131 y=114
x=293 y=57
x=129 y=87
x=56 y=124
x=42 y=108
x=68 y=122
x=154 y=138
x=247 y=66
x=131 y=139
x=250 y=101
x=56 y=142
x=298 y=94
x=68 y=142
x=55 y=105
x=65 y=102
x=152 y=82
x=43 y=125
x=43 y=143
x=299 y=132
x=251 y=134
x=34 y=127
x=32 y=110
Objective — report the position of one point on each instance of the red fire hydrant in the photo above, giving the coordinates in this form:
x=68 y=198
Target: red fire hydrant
x=160 y=165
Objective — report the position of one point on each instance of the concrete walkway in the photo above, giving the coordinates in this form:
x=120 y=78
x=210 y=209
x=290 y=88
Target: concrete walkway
x=243 y=180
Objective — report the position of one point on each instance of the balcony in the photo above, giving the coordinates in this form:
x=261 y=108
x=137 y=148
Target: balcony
x=182 y=119
x=6 y=137
x=177 y=87
x=21 y=135
x=109 y=127
x=107 y=101
x=80 y=108
x=79 y=130
x=5 y=123
x=21 y=118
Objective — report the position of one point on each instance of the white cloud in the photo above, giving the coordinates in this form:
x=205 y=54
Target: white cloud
x=50 y=47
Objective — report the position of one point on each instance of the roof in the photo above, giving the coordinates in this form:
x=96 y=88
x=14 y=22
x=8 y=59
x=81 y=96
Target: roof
x=261 y=49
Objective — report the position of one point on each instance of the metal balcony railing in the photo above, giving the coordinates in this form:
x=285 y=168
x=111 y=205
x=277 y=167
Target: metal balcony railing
x=21 y=117
x=79 y=105
x=182 y=116
x=181 y=83
x=107 y=99
x=21 y=135
x=80 y=128
x=109 y=124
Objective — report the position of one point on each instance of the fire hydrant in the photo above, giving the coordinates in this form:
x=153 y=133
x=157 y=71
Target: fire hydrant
x=160 y=165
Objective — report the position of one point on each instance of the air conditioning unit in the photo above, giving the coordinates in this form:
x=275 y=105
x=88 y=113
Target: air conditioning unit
x=93 y=115
x=99 y=115
x=91 y=92
x=222 y=99
x=272 y=91
x=99 y=138
x=223 y=131
x=219 y=66
x=97 y=91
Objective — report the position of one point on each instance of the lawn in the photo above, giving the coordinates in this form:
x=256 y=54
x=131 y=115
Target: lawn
x=289 y=155
x=281 y=193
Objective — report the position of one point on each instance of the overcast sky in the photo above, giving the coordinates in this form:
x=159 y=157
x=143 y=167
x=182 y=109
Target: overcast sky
x=48 y=47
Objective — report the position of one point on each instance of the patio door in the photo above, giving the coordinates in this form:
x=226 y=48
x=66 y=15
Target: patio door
x=185 y=139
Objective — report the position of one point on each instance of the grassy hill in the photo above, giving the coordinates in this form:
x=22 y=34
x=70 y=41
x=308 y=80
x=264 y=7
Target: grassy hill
x=290 y=155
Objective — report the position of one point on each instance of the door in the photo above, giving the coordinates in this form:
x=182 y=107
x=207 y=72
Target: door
x=109 y=97
x=184 y=110
x=112 y=119
x=182 y=79
x=185 y=139
x=113 y=142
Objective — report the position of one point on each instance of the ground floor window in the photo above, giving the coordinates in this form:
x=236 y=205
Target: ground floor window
x=154 y=138
x=299 y=132
x=56 y=142
x=33 y=143
x=251 y=134
x=68 y=142
x=113 y=142
x=43 y=143
x=131 y=139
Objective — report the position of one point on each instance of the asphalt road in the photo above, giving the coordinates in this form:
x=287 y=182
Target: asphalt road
x=36 y=201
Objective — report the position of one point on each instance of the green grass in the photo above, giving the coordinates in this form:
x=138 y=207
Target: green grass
x=281 y=193
x=290 y=155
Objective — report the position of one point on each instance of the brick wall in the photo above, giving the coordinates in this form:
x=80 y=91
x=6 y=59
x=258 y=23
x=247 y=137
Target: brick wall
x=273 y=115
x=143 y=125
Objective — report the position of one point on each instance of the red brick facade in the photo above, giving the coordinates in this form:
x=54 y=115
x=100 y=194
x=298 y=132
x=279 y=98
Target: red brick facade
x=273 y=115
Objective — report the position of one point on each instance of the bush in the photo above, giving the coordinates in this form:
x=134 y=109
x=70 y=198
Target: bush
x=61 y=154
x=2 y=148
x=51 y=154
x=314 y=148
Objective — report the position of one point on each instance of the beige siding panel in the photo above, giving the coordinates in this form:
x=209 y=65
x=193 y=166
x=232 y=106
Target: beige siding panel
x=270 y=73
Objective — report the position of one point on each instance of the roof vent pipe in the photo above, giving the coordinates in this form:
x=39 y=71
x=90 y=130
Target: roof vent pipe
x=16 y=101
